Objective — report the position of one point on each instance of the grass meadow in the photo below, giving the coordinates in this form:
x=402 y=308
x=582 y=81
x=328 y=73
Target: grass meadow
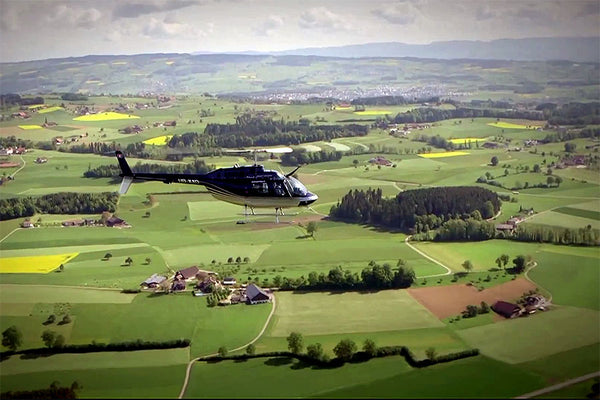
x=184 y=226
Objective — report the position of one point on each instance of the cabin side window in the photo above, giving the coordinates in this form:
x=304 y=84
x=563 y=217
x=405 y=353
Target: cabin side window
x=260 y=187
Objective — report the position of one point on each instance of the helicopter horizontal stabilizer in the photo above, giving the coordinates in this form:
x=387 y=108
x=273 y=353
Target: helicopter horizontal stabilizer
x=127 y=181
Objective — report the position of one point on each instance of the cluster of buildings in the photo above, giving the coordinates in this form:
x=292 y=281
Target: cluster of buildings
x=112 y=222
x=511 y=310
x=208 y=282
x=12 y=150
x=380 y=160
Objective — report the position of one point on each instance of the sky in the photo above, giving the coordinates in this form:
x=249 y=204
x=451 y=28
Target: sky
x=40 y=29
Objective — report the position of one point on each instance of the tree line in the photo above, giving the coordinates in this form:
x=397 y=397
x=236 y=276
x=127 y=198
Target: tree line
x=249 y=130
x=375 y=276
x=401 y=211
x=310 y=157
x=58 y=203
x=110 y=171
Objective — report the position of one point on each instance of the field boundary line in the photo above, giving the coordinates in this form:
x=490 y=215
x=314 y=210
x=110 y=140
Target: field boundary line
x=559 y=385
x=22 y=166
x=448 y=270
x=62 y=286
x=191 y=363
x=10 y=233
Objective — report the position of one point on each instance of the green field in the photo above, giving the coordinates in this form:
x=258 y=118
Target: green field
x=537 y=336
x=324 y=313
x=183 y=225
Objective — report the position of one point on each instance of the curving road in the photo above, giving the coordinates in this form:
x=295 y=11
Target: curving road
x=448 y=270
x=191 y=363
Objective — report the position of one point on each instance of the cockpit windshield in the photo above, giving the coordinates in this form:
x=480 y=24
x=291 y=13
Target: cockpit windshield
x=298 y=189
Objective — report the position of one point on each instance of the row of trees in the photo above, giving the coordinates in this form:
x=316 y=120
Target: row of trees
x=375 y=276
x=105 y=171
x=585 y=236
x=58 y=203
x=310 y=157
x=402 y=211
x=249 y=130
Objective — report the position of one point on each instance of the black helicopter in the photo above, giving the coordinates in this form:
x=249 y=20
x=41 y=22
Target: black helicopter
x=249 y=186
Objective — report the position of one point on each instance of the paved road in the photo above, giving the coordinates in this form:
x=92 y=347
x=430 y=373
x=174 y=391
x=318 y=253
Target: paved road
x=559 y=385
x=191 y=363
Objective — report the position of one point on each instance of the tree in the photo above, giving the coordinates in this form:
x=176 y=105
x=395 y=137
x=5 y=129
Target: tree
x=148 y=260
x=222 y=351
x=314 y=351
x=355 y=162
x=369 y=347
x=59 y=341
x=467 y=265
x=505 y=258
x=345 y=349
x=230 y=260
x=494 y=161
x=550 y=180
x=431 y=353
x=558 y=180
x=128 y=261
x=238 y=259
x=107 y=256
x=311 y=228
x=295 y=342
x=519 y=263
x=499 y=262
x=570 y=147
x=48 y=338
x=66 y=320
x=536 y=168
x=250 y=349
x=61 y=268
x=246 y=260
x=12 y=338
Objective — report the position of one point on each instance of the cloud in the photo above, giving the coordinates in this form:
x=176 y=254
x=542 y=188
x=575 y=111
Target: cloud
x=74 y=17
x=403 y=13
x=485 y=12
x=134 y=10
x=168 y=28
x=323 y=19
x=269 y=26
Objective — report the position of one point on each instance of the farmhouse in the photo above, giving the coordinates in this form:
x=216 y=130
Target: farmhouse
x=74 y=222
x=27 y=224
x=507 y=310
x=116 y=222
x=256 y=295
x=208 y=285
x=178 y=285
x=170 y=123
x=229 y=281
x=187 y=273
x=41 y=160
x=153 y=281
x=379 y=160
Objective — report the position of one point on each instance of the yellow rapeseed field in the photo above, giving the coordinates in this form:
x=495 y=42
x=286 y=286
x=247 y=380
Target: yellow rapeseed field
x=159 y=140
x=445 y=154
x=104 y=116
x=467 y=139
x=34 y=264
x=50 y=109
x=28 y=127
x=508 y=125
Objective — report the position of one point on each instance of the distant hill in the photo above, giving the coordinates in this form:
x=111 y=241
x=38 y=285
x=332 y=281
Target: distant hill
x=441 y=69
x=581 y=49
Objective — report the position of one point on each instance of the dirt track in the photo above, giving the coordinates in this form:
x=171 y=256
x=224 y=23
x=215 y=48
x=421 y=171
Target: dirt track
x=447 y=301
